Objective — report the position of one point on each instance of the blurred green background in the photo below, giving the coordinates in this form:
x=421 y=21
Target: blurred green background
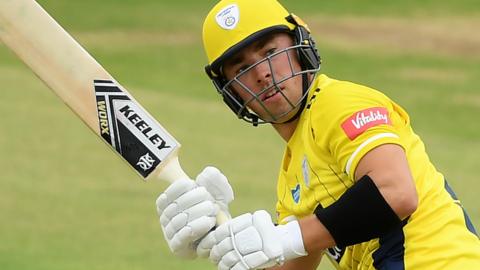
x=67 y=203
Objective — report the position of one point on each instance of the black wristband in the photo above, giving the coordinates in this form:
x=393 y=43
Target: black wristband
x=359 y=215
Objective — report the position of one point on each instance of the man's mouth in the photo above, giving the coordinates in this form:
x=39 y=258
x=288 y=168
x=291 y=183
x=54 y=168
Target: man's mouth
x=273 y=92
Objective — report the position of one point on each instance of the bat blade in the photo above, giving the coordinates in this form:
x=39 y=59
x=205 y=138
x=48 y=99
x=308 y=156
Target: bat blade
x=89 y=90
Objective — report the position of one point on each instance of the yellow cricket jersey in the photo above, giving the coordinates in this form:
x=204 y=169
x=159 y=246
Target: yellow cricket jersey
x=342 y=121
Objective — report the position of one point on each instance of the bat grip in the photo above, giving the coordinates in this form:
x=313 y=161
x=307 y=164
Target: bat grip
x=222 y=217
x=172 y=171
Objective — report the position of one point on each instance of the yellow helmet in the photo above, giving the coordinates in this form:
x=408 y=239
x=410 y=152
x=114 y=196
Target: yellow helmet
x=233 y=24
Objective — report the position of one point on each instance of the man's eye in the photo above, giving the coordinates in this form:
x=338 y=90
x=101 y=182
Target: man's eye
x=242 y=68
x=271 y=51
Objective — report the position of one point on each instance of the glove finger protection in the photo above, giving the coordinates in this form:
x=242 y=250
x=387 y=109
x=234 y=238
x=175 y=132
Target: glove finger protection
x=217 y=185
x=188 y=209
x=179 y=214
x=252 y=241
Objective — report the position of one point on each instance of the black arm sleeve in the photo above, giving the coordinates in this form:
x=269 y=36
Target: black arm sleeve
x=359 y=215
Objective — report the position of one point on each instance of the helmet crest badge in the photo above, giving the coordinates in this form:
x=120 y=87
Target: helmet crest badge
x=228 y=17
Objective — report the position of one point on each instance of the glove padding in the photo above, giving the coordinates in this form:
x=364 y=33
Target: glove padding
x=252 y=241
x=188 y=209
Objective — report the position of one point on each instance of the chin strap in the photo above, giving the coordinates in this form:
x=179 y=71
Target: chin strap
x=254 y=120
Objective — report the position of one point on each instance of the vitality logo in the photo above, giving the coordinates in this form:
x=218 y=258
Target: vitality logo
x=360 y=121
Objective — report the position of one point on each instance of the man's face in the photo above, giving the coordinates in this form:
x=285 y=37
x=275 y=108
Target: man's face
x=267 y=87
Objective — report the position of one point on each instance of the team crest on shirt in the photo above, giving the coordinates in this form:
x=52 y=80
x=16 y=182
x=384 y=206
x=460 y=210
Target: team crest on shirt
x=296 y=193
x=360 y=121
x=305 y=171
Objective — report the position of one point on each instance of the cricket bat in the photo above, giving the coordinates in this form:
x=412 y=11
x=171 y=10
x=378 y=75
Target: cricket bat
x=90 y=91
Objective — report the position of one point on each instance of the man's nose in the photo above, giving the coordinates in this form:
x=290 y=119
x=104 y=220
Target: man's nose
x=263 y=73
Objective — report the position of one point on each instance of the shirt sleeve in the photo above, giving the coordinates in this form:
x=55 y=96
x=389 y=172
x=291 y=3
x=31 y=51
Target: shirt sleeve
x=350 y=120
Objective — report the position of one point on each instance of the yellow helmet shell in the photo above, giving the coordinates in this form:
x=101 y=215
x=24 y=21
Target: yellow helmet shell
x=233 y=24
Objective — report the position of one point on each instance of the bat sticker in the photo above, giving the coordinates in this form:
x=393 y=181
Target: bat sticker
x=129 y=129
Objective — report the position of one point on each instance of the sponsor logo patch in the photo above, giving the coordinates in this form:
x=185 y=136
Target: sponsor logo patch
x=360 y=121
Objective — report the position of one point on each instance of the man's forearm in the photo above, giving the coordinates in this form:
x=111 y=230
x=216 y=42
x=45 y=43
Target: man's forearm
x=316 y=237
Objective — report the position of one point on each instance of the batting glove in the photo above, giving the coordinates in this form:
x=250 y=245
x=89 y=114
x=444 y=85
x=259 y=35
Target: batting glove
x=188 y=209
x=252 y=241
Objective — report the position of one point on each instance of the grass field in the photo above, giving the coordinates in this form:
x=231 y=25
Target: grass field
x=67 y=203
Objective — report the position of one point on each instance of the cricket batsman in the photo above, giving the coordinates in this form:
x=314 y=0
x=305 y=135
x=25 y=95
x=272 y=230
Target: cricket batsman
x=355 y=183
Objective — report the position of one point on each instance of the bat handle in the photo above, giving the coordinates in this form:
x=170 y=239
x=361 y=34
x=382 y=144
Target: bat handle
x=222 y=217
x=172 y=171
